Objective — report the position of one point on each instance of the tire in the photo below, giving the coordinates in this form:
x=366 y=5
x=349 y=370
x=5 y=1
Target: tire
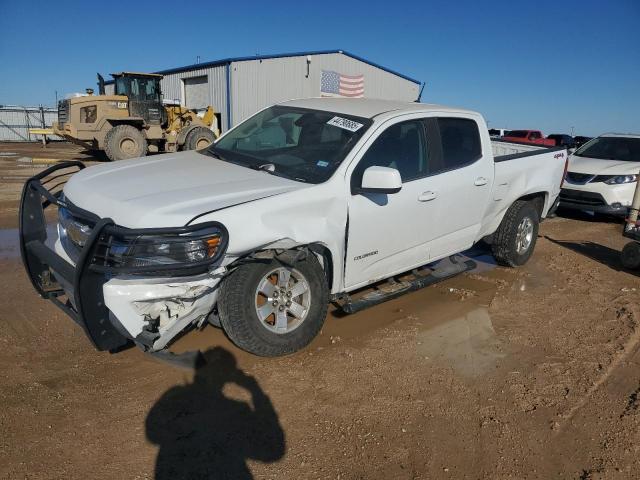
x=239 y=301
x=630 y=256
x=511 y=248
x=199 y=138
x=123 y=142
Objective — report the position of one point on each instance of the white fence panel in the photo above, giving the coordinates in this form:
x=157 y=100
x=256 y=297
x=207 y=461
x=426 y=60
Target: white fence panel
x=15 y=122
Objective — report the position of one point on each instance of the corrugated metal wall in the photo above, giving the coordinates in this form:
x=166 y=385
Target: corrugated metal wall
x=256 y=84
x=172 y=88
x=15 y=122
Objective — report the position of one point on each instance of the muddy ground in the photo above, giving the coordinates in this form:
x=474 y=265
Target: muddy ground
x=498 y=373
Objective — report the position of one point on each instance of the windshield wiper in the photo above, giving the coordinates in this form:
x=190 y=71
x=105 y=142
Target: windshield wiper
x=213 y=154
x=267 y=167
x=270 y=168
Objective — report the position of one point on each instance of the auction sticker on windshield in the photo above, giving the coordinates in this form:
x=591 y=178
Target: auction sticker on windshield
x=345 y=123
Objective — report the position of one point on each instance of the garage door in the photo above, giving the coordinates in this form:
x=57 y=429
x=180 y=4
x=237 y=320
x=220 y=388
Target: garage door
x=196 y=92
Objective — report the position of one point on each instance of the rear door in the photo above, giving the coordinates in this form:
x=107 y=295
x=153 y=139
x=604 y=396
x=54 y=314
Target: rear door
x=461 y=176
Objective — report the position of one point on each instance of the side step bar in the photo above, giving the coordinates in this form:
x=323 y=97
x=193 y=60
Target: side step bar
x=394 y=289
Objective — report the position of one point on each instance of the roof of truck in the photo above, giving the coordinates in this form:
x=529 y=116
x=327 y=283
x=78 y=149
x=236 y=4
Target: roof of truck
x=367 y=107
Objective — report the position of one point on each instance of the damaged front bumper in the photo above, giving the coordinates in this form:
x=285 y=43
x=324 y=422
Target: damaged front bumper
x=114 y=303
x=153 y=311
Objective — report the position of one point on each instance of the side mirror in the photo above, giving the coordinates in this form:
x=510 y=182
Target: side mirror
x=381 y=180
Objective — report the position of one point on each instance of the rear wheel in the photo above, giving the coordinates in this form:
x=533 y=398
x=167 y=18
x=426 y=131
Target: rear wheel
x=276 y=307
x=515 y=239
x=631 y=256
x=199 y=138
x=125 y=141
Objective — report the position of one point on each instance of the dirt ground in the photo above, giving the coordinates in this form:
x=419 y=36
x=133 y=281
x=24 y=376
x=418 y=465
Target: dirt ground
x=499 y=373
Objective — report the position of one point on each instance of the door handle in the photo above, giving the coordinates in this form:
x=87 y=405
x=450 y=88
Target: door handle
x=480 y=181
x=427 y=196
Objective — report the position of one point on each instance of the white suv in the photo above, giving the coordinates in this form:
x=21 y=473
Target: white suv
x=602 y=175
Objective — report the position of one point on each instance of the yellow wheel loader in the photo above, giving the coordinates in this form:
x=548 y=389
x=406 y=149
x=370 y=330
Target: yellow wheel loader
x=133 y=121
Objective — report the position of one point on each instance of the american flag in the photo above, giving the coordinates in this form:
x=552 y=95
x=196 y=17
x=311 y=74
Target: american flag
x=334 y=84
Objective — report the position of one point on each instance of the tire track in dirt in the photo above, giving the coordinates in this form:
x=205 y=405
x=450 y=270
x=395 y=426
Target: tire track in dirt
x=629 y=348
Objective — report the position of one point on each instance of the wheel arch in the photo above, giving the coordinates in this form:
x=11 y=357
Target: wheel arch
x=282 y=248
x=540 y=200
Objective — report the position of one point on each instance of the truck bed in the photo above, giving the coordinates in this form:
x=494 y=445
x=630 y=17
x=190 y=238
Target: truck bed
x=503 y=150
x=538 y=169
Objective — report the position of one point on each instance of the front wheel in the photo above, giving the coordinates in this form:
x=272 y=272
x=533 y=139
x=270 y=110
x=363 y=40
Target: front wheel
x=516 y=237
x=125 y=141
x=199 y=138
x=274 y=307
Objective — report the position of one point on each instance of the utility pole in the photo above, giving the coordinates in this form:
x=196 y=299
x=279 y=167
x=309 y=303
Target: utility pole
x=572 y=131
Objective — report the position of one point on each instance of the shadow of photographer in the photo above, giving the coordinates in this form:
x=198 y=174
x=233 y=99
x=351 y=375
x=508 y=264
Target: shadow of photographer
x=204 y=434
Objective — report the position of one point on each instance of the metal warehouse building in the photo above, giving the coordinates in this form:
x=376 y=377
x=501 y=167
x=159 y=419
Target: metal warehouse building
x=238 y=87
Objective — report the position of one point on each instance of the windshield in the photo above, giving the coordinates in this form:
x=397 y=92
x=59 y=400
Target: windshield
x=295 y=143
x=611 y=148
x=138 y=88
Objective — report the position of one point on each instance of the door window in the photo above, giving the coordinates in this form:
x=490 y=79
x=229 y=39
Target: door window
x=401 y=146
x=459 y=141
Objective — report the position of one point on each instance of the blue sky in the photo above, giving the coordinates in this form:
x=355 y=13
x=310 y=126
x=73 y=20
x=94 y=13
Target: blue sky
x=549 y=65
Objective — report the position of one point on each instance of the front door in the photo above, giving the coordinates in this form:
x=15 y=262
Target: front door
x=389 y=233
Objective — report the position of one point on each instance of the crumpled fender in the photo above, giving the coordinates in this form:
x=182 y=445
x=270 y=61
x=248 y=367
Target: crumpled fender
x=312 y=216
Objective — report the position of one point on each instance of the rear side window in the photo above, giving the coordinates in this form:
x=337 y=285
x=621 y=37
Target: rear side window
x=460 y=141
x=517 y=133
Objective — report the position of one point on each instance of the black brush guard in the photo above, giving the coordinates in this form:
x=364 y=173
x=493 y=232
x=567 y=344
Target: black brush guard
x=83 y=299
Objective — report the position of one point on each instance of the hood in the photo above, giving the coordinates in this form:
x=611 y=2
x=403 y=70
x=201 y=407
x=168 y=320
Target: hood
x=597 y=166
x=169 y=190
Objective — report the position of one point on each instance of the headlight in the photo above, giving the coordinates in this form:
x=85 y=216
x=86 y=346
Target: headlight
x=620 y=179
x=194 y=247
x=72 y=228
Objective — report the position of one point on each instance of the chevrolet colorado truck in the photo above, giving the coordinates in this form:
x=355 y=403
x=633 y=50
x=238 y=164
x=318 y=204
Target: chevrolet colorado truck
x=303 y=204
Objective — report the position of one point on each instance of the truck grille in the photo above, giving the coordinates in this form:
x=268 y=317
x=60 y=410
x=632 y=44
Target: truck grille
x=63 y=112
x=579 y=178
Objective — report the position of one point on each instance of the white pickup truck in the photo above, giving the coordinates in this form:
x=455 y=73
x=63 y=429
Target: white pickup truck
x=303 y=204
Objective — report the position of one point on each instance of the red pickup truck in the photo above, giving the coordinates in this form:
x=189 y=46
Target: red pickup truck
x=529 y=136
